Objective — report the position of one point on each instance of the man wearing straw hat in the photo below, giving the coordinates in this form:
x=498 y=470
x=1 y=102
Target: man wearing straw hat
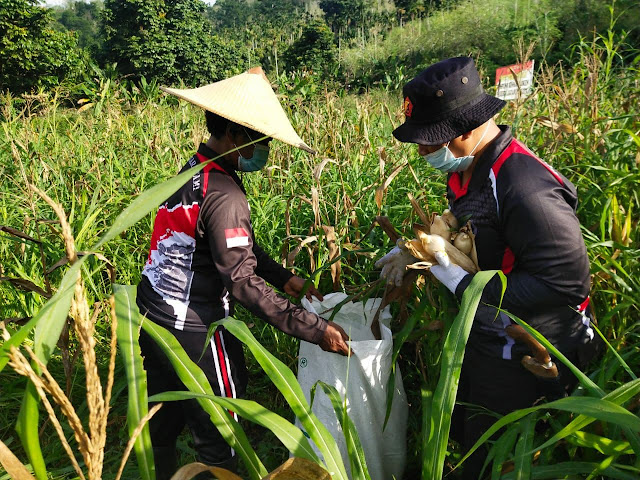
x=204 y=258
x=523 y=215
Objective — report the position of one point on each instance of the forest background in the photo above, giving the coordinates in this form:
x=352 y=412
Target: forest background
x=82 y=119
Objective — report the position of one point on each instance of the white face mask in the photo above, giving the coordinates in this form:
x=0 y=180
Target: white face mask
x=444 y=160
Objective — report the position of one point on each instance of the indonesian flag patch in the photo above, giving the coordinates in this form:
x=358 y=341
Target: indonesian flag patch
x=236 y=237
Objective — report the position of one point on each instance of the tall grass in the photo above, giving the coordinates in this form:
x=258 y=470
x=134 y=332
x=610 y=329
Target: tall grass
x=95 y=160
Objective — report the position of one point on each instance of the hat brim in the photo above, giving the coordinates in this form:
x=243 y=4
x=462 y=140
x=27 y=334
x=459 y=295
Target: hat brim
x=248 y=100
x=460 y=122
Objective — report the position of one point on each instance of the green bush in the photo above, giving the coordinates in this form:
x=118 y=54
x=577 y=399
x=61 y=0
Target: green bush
x=32 y=54
x=166 y=41
x=314 y=50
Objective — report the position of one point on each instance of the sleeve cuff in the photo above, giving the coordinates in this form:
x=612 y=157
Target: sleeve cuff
x=321 y=328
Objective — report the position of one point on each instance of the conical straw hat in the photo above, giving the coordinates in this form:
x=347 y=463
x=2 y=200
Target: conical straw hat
x=248 y=100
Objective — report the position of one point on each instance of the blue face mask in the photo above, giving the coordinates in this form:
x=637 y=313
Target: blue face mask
x=257 y=161
x=444 y=160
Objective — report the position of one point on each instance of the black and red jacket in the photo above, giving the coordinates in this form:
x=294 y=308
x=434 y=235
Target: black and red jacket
x=523 y=213
x=203 y=258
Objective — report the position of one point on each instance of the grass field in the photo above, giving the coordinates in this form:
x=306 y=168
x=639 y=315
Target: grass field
x=95 y=159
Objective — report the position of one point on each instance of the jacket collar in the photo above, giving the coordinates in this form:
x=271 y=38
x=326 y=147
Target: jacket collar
x=208 y=153
x=485 y=162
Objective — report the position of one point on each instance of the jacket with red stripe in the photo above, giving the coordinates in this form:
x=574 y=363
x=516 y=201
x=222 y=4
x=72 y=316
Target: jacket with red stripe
x=523 y=214
x=204 y=257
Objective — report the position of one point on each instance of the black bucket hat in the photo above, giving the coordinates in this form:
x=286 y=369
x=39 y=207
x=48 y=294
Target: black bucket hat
x=445 y=101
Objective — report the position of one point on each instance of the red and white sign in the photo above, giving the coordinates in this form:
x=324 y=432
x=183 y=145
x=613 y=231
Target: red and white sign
x=514 y=81
x=236 y=237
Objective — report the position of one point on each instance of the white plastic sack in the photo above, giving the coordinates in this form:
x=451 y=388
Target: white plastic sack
x=367 y=372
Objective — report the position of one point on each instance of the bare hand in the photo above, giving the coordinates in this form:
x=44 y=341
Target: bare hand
x=335 y=340
x=295 y=285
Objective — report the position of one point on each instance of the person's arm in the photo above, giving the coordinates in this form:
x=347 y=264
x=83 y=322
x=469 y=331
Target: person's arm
x=227 y=223
x=540 y=226
x=269 y=269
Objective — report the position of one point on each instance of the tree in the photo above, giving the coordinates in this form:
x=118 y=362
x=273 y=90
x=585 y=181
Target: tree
x=345 y=13
x=166 y=40
x=314 y=50
x=84 y=19
x=32 y=54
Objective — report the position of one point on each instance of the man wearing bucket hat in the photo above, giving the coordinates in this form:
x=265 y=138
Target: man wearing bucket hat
x=204 y=258
x=522 y=213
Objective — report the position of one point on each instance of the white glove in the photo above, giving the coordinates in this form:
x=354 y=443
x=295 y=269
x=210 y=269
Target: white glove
x=394 y=265
x=449 y=274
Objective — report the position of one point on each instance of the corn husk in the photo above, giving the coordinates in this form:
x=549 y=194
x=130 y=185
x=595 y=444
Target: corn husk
x=463 y=243
x=425 y=246
x=450 y=219
x=440 y=227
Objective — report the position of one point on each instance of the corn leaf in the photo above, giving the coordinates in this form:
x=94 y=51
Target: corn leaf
x=128 y=333
x=48 y=323
x=290 y=435
x=357 y=459
x=594 y=389
x=56 y=308
x=427 y=402
x=604 y=445
x=597 y=408
x=523 y=458
x=445 y=393
x=399 y=340
x=619 y=396
x=285 y=381
x=27 y=428
x=501 y=451
x=568 y=469
x=196 y=381
x=632 y=435
x=146 y=203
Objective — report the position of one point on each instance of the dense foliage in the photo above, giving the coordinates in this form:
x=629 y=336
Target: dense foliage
x=32 y=54
x=100 y=141
x=140 y=35
x=314 y=50
x=83 y=18
x=94 y=162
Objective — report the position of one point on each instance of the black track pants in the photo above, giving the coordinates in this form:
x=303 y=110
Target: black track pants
x=223 y=364
x=500 y=386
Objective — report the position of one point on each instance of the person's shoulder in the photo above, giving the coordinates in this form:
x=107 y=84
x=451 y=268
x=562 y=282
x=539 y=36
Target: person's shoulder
x=518 y=163
x=221 y=187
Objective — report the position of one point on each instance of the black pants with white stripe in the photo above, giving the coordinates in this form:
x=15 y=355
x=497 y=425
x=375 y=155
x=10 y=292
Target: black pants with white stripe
x=223 y=364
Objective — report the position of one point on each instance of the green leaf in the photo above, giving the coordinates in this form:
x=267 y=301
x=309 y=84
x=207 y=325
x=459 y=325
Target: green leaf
x=604 y=445
x=285 y=381
x=567 y=469
x=445 y=393
x=357 y=459
x=619 y=396
x=632 y=435
x=27 y=428
x=594 y=389
x=597 y=408
x=147 y=202
x=523 y=457
x=128 y=333
x=290 y=435
x=48 y=322
x=501 y=451
x=196 y=381
x=399 y=340
x=54 y=311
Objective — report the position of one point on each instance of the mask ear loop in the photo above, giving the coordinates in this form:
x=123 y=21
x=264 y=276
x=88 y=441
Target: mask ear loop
x=483 y=134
